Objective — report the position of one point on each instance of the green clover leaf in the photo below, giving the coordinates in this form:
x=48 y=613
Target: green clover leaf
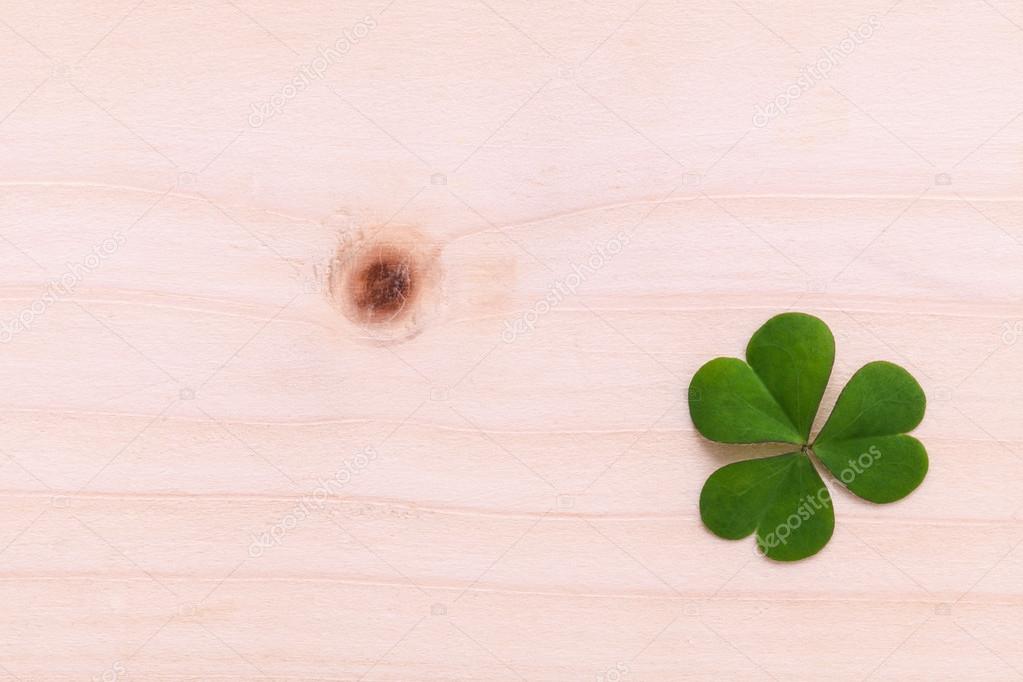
x=773 y=397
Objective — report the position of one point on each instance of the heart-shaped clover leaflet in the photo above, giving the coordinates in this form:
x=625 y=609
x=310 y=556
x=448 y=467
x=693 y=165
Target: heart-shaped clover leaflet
x=773 y=397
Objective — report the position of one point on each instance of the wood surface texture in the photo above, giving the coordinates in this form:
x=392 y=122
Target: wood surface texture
x=210 y=471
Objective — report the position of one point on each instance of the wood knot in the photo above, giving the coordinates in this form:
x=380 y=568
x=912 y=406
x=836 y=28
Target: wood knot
x=384 y=287
x=385 y=281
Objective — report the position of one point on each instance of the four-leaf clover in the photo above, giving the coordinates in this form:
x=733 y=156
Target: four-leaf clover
x=773 y=398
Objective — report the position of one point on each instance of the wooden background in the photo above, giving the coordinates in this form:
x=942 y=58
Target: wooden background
x=501 y=505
